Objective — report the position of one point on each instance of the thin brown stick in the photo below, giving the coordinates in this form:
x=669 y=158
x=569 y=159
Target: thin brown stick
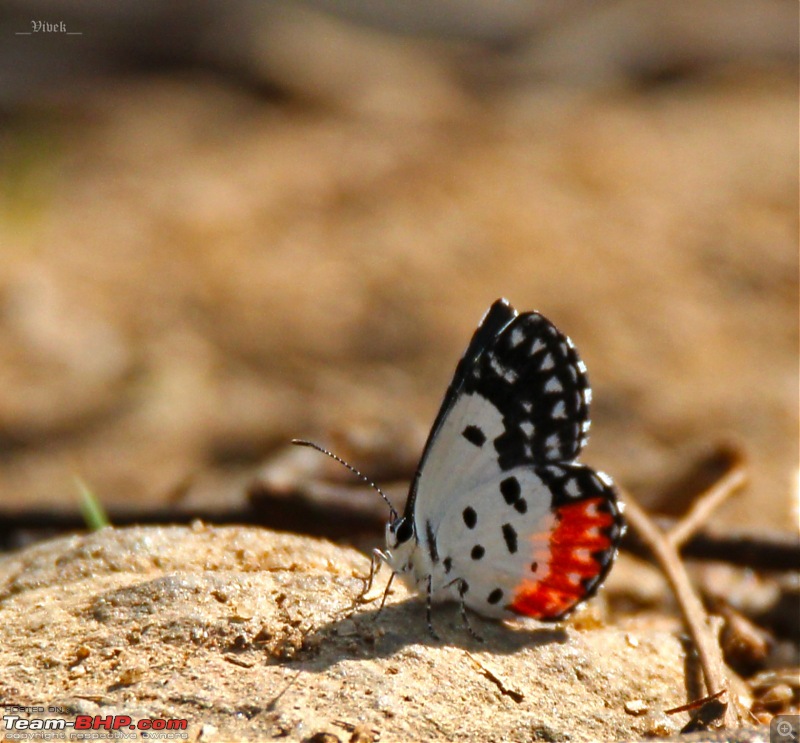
x=695 y=704
x=694 y=615
x=505 y=690
x=706 y=504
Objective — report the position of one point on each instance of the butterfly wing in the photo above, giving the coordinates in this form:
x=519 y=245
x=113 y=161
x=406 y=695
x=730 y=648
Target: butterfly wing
x=532 y=375
x=516 y=411
x=519 y=395
x=535 y=541
x=498 y=316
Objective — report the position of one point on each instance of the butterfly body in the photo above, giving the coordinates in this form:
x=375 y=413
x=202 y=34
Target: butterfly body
x=500 y=515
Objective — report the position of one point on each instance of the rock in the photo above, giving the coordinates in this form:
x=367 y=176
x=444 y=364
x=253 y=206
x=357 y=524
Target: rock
x=247 y=633
x=636 y=707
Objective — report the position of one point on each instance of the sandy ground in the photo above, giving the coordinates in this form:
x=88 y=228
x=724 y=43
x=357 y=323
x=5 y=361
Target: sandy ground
x=249 y=634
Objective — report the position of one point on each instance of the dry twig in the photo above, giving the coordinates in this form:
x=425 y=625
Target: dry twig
x=505 y=690
x=695 y=704
x=706 y=504
x=694 y=614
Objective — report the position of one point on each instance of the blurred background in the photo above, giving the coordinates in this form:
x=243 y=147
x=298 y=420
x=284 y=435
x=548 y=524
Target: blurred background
x=227 y=224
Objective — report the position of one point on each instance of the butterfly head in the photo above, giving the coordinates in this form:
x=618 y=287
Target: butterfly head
x=399 y=531
x=400 y=543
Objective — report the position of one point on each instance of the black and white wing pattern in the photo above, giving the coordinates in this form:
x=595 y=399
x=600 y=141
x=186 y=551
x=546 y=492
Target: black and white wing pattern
x=505 y=513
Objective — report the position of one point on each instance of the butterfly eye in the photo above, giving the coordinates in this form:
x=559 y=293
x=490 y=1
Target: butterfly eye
x=403 y=530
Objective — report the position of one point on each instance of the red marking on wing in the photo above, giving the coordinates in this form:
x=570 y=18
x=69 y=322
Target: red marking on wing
x=555 y=593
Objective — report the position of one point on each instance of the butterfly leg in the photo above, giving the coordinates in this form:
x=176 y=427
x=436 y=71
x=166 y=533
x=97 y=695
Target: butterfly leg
x=429 y=610
x=462 y=589
x=385 y=594
x=375 y=562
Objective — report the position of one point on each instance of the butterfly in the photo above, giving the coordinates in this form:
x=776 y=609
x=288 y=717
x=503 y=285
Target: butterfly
x=501 y=516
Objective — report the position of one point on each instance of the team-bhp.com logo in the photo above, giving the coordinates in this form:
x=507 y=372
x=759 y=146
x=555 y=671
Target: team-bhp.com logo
x=92 y=727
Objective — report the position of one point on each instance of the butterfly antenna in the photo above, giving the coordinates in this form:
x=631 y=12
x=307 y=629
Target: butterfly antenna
x=303 y=442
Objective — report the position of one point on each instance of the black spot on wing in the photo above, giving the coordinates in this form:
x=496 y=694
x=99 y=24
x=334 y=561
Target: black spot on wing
x=510 y=489
x=474 y=435
x=431 y=537
x=448 y=564
x=512 y=494
x=495 y=596
x=478 y=552
x=510 y=537
x=470 y=517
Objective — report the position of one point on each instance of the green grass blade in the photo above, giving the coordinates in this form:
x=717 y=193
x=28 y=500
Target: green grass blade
x=91 y=509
